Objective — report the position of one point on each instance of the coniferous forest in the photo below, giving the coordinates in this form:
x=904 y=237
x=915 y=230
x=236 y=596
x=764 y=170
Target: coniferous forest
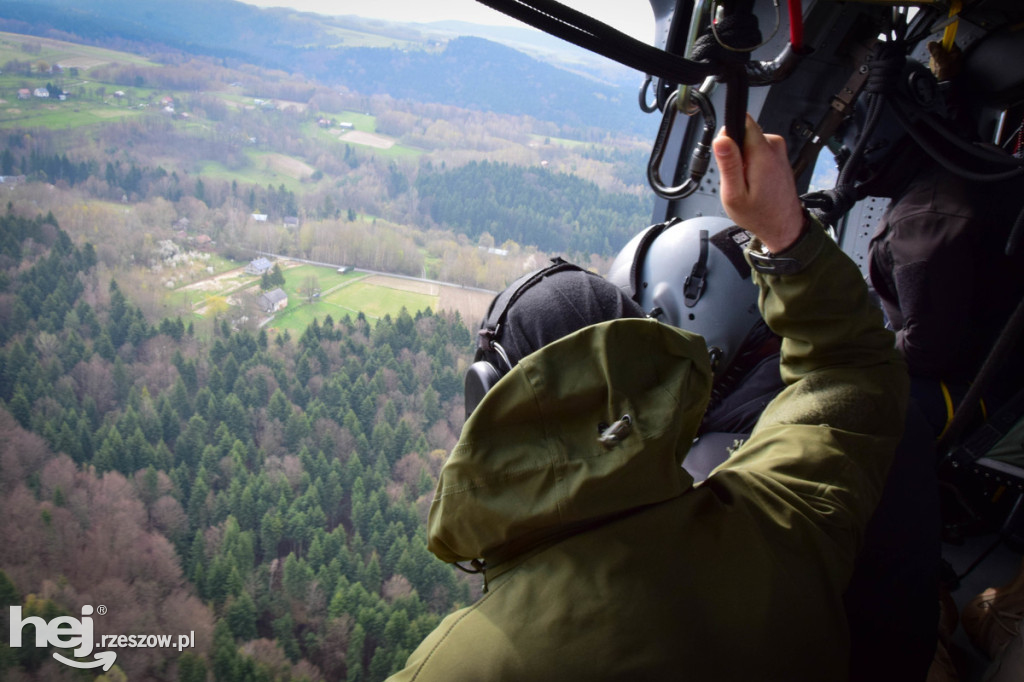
x=268 y=497
x=179 y=460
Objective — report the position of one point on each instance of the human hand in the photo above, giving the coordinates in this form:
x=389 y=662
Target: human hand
x=758 y=189
x=945 y=64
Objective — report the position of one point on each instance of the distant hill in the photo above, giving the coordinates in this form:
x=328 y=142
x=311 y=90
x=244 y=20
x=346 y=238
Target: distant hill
x=478 y=74
x=405 y=62
x=547 y=48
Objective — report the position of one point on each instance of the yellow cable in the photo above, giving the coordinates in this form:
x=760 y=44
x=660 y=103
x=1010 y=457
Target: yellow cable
x=949 y=35
x=948 y=399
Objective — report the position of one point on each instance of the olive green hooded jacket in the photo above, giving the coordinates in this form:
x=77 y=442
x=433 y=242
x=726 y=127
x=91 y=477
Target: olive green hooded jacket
x=605 y=562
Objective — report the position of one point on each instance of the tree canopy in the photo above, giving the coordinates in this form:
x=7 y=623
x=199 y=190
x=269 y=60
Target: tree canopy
x=270 y=496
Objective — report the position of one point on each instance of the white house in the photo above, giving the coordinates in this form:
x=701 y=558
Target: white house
x=258 y=266
x=273 y=300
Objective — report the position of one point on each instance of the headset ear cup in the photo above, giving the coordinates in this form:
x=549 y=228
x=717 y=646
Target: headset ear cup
x=480 y=377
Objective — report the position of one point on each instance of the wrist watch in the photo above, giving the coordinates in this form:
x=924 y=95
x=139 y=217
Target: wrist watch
x=791 y=261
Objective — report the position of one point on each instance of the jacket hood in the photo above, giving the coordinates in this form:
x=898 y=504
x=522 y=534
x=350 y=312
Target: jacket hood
x=529 y=464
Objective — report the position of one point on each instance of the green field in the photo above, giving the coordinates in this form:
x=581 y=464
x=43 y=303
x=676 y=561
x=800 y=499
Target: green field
x=265 y=169
x=57 y=115
x=352 y=38
x=377 y=301
x=84 y=106
x=341 y=295
x=363 y=123
x=12 y=47
x=559 y=141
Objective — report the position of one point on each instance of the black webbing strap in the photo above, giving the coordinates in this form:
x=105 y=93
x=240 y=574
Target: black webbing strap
x=733 y=34
x=501 y=305
x=693 y=287
x=589 y=33
x=639 y=257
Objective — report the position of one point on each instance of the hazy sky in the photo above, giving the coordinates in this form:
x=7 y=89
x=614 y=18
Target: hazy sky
x=634 y=17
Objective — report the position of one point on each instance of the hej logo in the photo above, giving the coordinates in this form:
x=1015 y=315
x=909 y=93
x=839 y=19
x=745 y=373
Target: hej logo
x=64 y=632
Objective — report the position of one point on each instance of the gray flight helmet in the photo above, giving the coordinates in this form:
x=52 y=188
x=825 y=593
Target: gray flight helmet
x=692 y=274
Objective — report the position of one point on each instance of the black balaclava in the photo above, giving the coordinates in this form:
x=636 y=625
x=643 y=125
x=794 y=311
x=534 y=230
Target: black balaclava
x=558 y=305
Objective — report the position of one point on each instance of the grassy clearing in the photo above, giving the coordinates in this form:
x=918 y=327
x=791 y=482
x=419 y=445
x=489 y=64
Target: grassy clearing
x=396 y=152
x=560 y=142
x=267 y=168
x=297 y=277
x=349 y=38
x=365 y=122
x=54 y=114
x=378 y=301
x=60 y=52
x=342 y=295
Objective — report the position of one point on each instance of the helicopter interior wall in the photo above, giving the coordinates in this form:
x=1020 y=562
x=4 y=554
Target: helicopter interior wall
x=790 y=108
x=794 y=107
x=991 y=35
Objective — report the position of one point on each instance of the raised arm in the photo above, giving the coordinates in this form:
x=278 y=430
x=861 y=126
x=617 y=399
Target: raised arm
x=812 y=294
x=827 y=440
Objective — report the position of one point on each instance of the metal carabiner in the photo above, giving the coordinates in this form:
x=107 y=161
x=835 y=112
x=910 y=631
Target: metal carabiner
x=644 y=106
x=699 y=160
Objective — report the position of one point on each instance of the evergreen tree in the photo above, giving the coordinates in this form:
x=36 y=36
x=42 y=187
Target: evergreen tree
x=240 y=615
x=191 y=668
x=20 y=407
x=225 y=655
x=284 y=632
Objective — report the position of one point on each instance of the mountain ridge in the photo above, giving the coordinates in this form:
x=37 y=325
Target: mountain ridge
x=484 y=75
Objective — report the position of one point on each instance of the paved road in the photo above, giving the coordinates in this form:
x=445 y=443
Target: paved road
x=267 y=254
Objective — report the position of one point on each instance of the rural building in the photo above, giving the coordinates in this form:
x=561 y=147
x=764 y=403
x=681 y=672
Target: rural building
x=203 y=241
x=291 y=221
x=258 y=266
x=41 y=93
x=273 y=300
x=259 y=217
x=24 y=93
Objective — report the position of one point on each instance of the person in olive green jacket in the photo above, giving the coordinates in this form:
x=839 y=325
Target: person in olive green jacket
x=602 y=560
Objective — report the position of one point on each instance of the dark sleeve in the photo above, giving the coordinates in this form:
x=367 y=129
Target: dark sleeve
x=933 y=271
